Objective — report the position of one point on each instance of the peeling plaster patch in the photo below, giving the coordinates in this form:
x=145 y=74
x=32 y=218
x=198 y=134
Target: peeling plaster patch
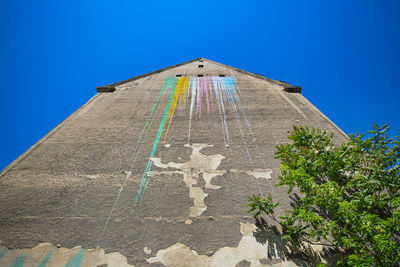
x=157 y=162
x=248 y=250
x=190 y=170
x=179 y=255
x=318 y=248
x=167 y=145
x=198 y=196
x=208 y=177
x=46 y=254
x=147 y=250
x=93 y=176
x=188 y=221
x=257 y=173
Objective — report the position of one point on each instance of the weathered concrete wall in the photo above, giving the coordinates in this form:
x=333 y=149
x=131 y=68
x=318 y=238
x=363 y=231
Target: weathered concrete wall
x=63 y=191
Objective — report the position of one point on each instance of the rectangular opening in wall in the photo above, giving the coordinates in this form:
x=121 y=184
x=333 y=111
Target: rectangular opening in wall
x=179 y=75
x=222 y=75
x=200 y=75
x=201 y=66
x=292 y=89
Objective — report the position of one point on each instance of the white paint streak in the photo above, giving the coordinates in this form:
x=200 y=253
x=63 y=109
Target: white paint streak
x=190 y=170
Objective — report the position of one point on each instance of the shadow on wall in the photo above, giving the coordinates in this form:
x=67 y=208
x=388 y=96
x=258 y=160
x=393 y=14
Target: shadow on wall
x=279 y=249
x=260 y=245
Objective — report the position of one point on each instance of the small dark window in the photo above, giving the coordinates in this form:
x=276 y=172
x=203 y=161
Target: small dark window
x=201 y=66
x=222 y=75
x=200 y=75
x=179 y=75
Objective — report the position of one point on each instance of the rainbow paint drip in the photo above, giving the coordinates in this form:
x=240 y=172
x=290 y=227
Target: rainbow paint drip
x=214 y=91
x=196 y=93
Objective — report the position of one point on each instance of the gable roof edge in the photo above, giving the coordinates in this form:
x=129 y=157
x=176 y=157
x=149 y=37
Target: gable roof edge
x=111 y=87
x=259 y=76
x=287 y=87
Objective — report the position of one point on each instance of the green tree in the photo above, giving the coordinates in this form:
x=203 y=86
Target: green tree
x=349 y=194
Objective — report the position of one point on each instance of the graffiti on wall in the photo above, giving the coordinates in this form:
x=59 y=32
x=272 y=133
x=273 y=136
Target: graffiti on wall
x=196 y=96
x=198 y=93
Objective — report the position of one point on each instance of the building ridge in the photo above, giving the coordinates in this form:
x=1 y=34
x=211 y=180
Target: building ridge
x=287 y=87
x=114 y=176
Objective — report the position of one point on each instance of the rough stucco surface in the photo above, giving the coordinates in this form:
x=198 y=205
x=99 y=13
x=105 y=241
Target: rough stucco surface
x=194 y=209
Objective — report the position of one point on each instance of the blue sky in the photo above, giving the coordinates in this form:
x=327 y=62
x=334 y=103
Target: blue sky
x=53 y=54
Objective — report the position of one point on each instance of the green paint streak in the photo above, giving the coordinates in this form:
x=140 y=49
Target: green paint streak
x=2 y=253
x=162 y=92
x=155 y=104
x=46 y=259
x=77 y=259
x=145 y=177
x=19 y=261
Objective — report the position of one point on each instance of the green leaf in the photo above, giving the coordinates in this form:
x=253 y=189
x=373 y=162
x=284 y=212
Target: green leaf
x=350 y=194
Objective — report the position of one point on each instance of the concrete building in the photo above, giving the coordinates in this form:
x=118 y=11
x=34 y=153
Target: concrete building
x=157 y=170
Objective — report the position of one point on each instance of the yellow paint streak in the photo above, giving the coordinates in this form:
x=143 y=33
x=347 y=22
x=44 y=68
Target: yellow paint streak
x=178 y=97
x=185 y=89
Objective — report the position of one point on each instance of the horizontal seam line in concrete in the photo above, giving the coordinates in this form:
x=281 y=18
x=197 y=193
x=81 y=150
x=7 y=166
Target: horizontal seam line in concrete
x=157 y=218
